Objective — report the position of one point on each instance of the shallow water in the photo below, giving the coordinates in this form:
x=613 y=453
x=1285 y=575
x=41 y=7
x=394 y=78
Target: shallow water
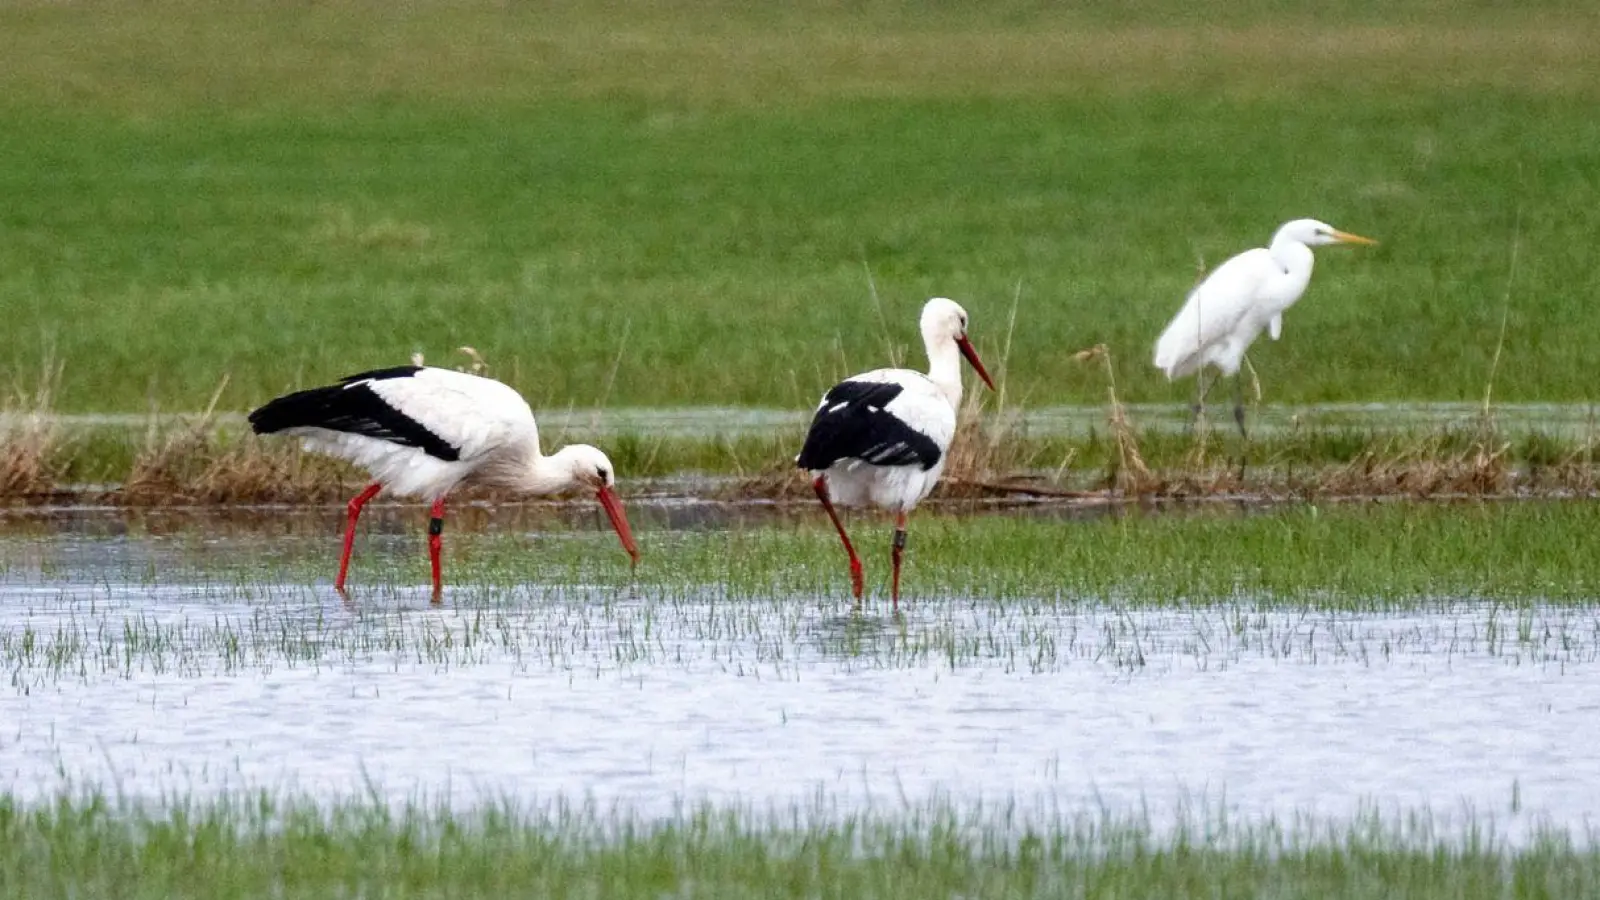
x=129 y=662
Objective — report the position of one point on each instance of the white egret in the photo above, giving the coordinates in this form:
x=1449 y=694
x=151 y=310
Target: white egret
x=1243 y=296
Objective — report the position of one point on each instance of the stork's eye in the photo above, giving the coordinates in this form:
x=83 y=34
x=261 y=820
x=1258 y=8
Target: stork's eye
x=604 y=475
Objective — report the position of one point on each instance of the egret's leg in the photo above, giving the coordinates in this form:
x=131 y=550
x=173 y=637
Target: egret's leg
x=1238 y=402
x=820 y=485
x=353 y=512
x=1238 y=418
x=1200 y=390
x=899 y=549
x=435 y=544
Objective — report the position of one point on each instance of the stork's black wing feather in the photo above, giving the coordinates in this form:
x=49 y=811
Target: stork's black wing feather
x=382 y=374
x=853 y=423
x=353 y=407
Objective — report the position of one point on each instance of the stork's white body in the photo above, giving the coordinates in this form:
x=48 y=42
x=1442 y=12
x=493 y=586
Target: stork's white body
x=880 y=438
x=423 y=432
x=922 y=406
x=489 y=425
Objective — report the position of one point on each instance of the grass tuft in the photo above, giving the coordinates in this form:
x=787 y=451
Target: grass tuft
x=197 y=463
x=33 y=449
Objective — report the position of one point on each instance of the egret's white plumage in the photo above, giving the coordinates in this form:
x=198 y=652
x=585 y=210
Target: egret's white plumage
x=880 y=438
x=423 y=432
x=1244 y=296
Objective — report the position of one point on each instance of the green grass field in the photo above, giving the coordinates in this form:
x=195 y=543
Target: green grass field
x=637 y=204
x=286 y=846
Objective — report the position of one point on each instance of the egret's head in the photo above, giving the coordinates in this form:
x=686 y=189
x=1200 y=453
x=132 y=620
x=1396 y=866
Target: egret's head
x=943 y=320
x=589 y=468
x=1313 y=233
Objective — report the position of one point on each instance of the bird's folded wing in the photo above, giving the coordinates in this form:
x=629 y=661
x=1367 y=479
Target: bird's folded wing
x=472 y=414
x=1213 y=309
x=870 y=422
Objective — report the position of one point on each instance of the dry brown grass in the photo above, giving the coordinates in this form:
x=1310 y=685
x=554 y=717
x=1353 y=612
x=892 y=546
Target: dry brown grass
x=201 y=462
x=194 y=467
x=198 y=464
x=1131 y=475
x=34 y=451
x=1421 y=469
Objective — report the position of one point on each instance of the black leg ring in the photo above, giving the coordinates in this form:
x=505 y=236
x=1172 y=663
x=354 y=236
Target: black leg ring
x=436 y=526
x=899 y=539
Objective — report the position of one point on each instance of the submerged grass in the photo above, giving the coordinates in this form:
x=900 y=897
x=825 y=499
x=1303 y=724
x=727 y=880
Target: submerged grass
x=1342 y=555
x=91 y=844
x=531 y=631
x=1363 y=583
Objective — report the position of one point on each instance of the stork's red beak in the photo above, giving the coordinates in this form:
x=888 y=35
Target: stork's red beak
x=619 y=521
x=972 y=357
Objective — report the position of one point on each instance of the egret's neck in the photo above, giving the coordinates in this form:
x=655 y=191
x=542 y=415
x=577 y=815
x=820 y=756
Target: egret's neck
x=944 y=368
x=1293 y=256
x=1294 y=261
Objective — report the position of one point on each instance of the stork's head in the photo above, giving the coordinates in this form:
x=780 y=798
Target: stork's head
x=943 y=320
x=1313 y=233
x=588 y=468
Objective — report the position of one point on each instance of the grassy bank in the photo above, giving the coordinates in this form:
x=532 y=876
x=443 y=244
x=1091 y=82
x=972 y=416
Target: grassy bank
x=288 y=846
x=179 y=465
x=702 y=203
x=1002 y=449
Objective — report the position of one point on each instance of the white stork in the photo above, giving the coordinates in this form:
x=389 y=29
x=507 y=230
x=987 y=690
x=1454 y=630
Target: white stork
x=1224 y=315
x=880 y=437
x=422 y=431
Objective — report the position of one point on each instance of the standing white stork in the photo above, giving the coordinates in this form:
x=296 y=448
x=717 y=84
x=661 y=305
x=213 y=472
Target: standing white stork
x=1228 y=310
x=421 y=432
x=880 y=437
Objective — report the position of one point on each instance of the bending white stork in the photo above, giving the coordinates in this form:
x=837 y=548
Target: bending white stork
x=421 y=432
x=1228 y=310
x=880 y=437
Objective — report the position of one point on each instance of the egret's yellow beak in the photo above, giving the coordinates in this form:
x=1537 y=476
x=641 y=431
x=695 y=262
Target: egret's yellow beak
x=1345 y=237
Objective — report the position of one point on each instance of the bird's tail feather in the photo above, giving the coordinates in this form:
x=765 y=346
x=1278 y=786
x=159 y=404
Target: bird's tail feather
x=308 y=408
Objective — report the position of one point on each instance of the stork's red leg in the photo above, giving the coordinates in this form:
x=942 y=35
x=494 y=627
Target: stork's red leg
x=435 y=544
x=354 y=513
x=898 y=551
x=820 y=485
